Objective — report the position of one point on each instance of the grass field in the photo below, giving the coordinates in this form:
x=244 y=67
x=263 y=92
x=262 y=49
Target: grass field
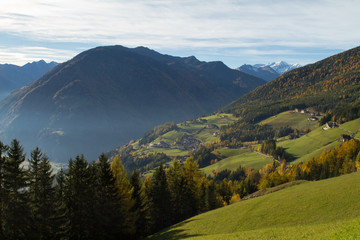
x=313 y=143
x=197 y=128
x=327 y=209
x=236 y=157
x=291 y=119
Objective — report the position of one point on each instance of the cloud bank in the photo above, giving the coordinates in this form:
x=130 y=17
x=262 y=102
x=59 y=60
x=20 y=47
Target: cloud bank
x=227 y=29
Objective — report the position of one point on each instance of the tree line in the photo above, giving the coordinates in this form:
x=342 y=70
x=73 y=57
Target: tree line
x=100 y=200
x=96 y=200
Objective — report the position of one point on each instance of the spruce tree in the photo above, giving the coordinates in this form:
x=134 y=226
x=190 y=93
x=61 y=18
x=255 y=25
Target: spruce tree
x=179 y=193
x=61 y=220
x=109 y=219
x=139 y=207
x=3 y=149
x=34 y=191
x=79 y=199
x=212 y=201
x=16 y=212
x=159 y=198
x=42 y=196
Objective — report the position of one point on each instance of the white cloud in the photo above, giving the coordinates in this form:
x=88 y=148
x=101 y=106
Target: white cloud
x=23 y=55
x=183 y=24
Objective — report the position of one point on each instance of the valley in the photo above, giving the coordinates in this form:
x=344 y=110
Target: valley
x=106 y=96
x=179 y=120
x=241 y=165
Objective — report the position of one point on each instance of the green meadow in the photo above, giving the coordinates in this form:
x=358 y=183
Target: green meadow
x=236 y=157
x=327 y=209
x=291 y=119
x=313 y=143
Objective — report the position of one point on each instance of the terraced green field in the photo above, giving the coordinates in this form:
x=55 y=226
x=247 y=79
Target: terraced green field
x=327 y=209
x=291 y=119
x=202 y=129
x=235 y=158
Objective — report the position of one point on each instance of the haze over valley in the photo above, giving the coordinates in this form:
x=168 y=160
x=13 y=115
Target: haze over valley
x=179 y=120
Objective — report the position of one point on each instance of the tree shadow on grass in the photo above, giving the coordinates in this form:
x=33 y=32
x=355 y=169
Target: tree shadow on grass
x=174 y=233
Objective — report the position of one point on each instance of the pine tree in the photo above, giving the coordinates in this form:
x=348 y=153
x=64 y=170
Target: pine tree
x=147 y=188
x=176 y=183
x=212 y=201
x=16 y=212
x=79 y=199
x=34 y=191
x=139 y=207
x=183 y=190
x=46 y=206
x=61 y=220
x=3 y=149
x=108 y=215
x=159 y=200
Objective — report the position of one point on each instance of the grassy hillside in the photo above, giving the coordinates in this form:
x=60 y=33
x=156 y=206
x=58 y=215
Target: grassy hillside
x=328 y=209
x=313 y=143
x=292 y=119
x=236 y=157
x=201 y=129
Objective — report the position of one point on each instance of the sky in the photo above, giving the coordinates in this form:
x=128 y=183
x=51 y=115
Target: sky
x=233 y=31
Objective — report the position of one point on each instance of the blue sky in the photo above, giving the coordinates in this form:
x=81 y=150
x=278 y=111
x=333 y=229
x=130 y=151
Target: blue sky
x=232 y=31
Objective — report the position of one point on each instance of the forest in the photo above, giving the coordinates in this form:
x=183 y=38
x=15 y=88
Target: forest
x=101 y=200
x=330 y=86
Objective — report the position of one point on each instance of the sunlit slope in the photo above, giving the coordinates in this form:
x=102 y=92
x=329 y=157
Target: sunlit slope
x=290 y=119
x=203 y=129
x=313 y=143
x=328 y=209
x=236 y=157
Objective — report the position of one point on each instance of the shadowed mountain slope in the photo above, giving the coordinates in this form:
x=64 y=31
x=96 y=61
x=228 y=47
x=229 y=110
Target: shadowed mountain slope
x=13 y=77
x=106 y=96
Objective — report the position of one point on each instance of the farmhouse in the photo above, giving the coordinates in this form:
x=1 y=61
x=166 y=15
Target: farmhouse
x=312 y=118
x=345 y=137
x=187 y=142
x=330 y=125
x=298 y=110
x=161 y=144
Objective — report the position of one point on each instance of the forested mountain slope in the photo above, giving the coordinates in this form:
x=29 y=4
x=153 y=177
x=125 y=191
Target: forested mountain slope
x=106 y=96
x=328 y=84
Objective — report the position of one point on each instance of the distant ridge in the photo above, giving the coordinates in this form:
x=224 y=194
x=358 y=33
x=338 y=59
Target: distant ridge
x=328 y=84
x=269 y=71
x=13 y=77
x=106 y=96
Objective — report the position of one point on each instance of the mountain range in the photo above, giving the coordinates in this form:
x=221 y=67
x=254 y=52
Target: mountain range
x=106 y=96
x=330 y=85
x=325 y=85
x=269 y=71
x=13 y=77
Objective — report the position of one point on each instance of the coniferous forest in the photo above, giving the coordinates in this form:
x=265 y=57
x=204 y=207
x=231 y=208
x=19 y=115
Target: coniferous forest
x=102 y=201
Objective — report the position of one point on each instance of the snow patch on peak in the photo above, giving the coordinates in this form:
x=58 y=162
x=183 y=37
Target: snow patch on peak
x=282 y=66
